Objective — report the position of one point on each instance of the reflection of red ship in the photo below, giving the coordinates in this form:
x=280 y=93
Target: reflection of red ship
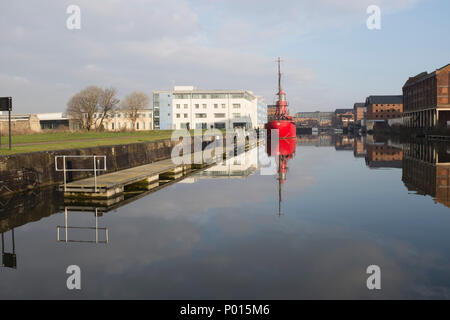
x=282 y=150
x=284 y=147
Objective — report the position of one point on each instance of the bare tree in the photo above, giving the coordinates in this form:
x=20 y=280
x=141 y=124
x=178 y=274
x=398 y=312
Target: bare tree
x=133 y=104
x=108 y=103
x=83 y=105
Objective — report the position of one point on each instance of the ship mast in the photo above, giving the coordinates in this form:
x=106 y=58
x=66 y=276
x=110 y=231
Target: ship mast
x=279 y=76
x=281 y=111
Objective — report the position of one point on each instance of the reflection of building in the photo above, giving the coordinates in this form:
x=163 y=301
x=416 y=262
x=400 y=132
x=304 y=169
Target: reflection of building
x=342 y=143
x=426 y=170
x=239 y=166
x=381 y=108
x=359 y=147
x=185 y=106
x=343 y=117
x=427 y=99
x=322 y=140
x=383 y=156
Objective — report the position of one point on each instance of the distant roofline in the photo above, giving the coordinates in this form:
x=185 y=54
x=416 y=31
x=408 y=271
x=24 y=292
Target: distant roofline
x=422 y=76
x=199 y=91
x=388 y=99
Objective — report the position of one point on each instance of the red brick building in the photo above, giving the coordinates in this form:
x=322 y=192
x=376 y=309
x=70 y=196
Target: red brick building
x=382 y=108
x=426 y=99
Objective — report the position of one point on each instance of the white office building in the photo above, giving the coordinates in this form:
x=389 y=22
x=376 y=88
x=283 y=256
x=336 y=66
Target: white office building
x=187 y=107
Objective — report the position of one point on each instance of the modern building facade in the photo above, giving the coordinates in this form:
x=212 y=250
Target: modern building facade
x=382 y=108
x=187 y=107
x=426 y=99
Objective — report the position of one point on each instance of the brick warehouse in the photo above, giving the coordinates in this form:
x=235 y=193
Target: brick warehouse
x=426 y=99
x=381 y=108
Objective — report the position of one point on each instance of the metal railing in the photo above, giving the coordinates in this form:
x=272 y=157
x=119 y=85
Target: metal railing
x=66 y=227
x=96 y=167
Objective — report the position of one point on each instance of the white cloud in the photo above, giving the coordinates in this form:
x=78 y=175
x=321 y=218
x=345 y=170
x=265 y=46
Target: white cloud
x=149 y=44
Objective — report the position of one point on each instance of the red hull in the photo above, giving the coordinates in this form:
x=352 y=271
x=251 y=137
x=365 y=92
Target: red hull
x=286 y=128
x=281 y=147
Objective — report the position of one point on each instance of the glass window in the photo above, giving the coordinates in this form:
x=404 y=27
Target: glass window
x=219 y=96
x=236 y=105
x=181 y=95
x=197 y=106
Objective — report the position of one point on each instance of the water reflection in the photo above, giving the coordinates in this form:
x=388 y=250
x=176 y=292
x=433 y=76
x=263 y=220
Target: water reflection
x=213 y=234
x=9 y=259
x=88 y=238
x=382 y=155
x=426 y=170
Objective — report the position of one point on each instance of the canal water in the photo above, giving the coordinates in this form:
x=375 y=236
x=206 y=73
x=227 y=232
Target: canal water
x=346 y=203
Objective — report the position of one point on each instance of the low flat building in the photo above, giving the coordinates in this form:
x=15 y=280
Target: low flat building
x=54 y=120
x=34 y=122
x=187 y=107
x=427 y=99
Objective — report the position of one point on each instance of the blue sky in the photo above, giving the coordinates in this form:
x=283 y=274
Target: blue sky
x=330 y=58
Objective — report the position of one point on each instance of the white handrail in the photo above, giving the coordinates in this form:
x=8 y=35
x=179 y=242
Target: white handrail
x=95 y=169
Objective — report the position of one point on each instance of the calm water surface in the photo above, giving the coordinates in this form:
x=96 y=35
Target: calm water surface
x=346 y=204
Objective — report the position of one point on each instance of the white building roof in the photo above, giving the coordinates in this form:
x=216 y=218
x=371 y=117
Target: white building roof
x=51 y=116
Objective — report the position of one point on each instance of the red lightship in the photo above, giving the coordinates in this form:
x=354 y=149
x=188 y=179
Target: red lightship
x=284 y=148
x=282 y=122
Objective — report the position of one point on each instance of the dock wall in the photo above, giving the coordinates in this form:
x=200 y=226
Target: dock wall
x=22 y=172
